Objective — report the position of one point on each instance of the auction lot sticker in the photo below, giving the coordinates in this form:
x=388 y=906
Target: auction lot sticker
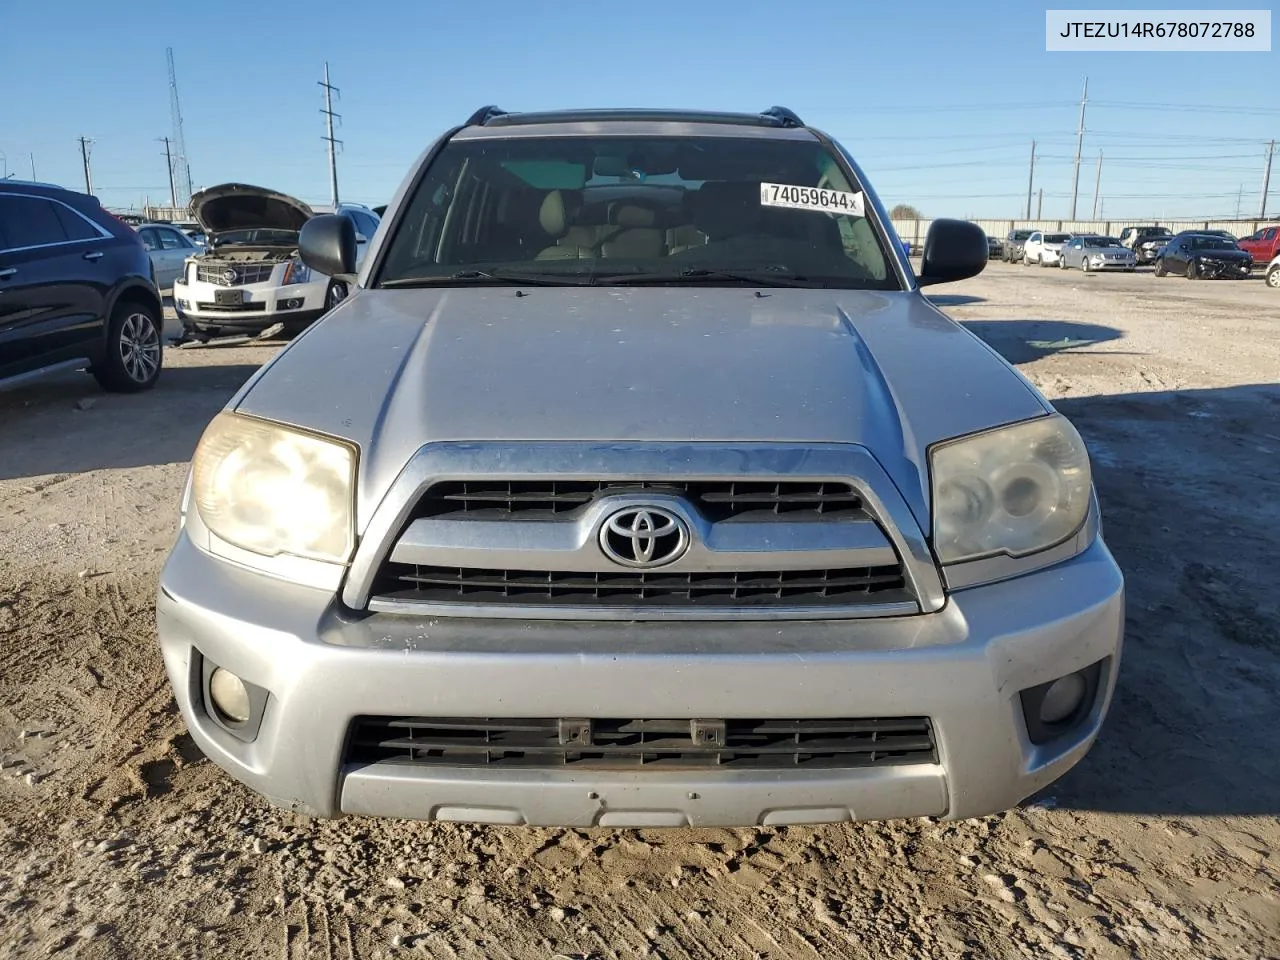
x=810 y=198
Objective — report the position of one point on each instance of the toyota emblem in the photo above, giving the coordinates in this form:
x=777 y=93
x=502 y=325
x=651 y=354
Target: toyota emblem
x=644 y=537
x=229 y=275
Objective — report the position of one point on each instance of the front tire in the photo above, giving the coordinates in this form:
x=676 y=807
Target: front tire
x=1159 y=268
x=1273 y=277
x=1084 y=265
x=1193 y=270
x=134 y=354
x=1040 y=260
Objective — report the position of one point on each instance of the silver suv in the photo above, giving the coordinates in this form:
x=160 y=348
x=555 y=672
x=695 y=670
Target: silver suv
x=636 y=483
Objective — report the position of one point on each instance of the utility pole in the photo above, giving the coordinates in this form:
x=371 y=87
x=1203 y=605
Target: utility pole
x=84 y=155
x=329 y=90
x=32 y=158
x=168 y=163
x=1097 y=182
x=1040 y=204
x=1239 y=199
x=1266 y=181
x=1075 y=182
x=1031 y=176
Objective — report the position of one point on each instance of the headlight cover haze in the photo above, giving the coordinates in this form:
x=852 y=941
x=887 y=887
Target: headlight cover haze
x=1015 y=490
x=274 y=490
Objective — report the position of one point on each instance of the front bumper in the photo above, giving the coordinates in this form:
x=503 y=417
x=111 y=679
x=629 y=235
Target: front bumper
x=1230 y=270
x=1112 y=264
x=962 y=667
x=263 y=305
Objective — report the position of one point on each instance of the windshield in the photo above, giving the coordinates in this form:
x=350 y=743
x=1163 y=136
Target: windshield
x=1213 y=243
x=1103 y=242
x=663 y=209
x=1057 y=237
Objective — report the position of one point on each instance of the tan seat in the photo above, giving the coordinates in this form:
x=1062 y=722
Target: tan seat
x=636 y=238
x=685 y=237
x=572 y=242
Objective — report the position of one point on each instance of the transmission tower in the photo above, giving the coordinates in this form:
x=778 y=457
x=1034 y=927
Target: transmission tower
x=178 y=160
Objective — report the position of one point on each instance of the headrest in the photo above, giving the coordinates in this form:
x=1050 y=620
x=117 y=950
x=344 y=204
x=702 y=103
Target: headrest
x=723 y=208
x=552 y=214
x=630 y=215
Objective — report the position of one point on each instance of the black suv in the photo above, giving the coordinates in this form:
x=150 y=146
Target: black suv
x=76 y=290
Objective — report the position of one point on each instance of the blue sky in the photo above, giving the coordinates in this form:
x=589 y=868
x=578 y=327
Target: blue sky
x=939 y=101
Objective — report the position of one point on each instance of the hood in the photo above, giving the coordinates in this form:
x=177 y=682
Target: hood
x=240 y=206
x=1227 y=255
x=392 y=370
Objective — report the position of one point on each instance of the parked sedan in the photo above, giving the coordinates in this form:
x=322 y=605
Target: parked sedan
x=1044 y=248
x=169 y=249
x=995 y=248
x=1097 y=253
x=1200 y=257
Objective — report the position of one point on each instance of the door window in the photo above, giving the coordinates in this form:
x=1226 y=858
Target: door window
x=149 y=239
x=76 y=226
x=30 y=222
x=173 y=240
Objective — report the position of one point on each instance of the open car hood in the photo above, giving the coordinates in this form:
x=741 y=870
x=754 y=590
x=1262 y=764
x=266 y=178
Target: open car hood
x=240 y=206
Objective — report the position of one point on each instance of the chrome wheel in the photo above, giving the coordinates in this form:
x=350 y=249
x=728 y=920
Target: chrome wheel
x=139 y=347
x=1273 y=277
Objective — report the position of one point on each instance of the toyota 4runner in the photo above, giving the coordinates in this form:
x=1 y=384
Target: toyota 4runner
x=637 y=483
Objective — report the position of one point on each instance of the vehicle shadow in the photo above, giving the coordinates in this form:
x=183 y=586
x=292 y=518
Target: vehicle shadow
x=1024 y=341
x=953 y=299
x=1191 y=509
x=67 y=424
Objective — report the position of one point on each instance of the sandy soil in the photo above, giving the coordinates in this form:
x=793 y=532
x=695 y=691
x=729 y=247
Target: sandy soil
x=118 y=840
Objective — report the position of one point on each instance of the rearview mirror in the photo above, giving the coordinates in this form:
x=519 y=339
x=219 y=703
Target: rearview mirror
x=953 y=250
x=327 y=244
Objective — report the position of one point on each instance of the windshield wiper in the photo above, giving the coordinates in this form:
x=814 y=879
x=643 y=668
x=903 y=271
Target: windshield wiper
x=759 y=278
x=492 y=276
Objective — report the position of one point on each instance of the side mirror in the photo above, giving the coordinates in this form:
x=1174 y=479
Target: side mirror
x=327 y=244
x=953 y=250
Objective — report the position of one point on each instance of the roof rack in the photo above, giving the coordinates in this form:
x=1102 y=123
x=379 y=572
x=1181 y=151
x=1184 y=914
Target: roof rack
x=492 y=116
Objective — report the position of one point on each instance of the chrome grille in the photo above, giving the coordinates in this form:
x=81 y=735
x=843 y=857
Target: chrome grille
x=404 y=581
x=715 y=500
x=245 y=273
x=641 y=743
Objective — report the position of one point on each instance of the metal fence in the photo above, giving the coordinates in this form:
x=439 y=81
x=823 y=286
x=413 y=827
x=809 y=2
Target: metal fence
x=914 y=231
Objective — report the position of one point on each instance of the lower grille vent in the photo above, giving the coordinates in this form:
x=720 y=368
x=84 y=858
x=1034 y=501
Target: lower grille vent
x=648 y=744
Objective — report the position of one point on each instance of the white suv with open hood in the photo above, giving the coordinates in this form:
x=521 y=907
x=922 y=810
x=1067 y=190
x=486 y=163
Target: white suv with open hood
x=249 y=277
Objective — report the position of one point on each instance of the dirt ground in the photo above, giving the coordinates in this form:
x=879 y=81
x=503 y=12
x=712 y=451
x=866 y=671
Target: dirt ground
x=118 y=840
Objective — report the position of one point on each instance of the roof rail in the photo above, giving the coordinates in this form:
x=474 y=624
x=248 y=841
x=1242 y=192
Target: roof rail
x=786 y=117
x=484 y=115
x=773 y=117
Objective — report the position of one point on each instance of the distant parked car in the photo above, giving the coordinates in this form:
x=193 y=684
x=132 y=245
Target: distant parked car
x=1093 y=252
x=995 y=248
x=1273 y=273
x=169 y=249
x=1145 y=242
x=248 y=277
x=1013 y=242
x=1200 y=257
x=77 y=290
x=1264 y=245
x=1044 y=248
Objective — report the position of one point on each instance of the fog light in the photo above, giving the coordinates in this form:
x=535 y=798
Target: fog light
x=230 y=696
x=291 y=304
x=1063 y=698
x=183 y=305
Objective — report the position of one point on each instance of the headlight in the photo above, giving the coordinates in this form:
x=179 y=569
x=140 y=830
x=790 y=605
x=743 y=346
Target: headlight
x=1016 y=490
x=272 y=490
x=296 y=271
